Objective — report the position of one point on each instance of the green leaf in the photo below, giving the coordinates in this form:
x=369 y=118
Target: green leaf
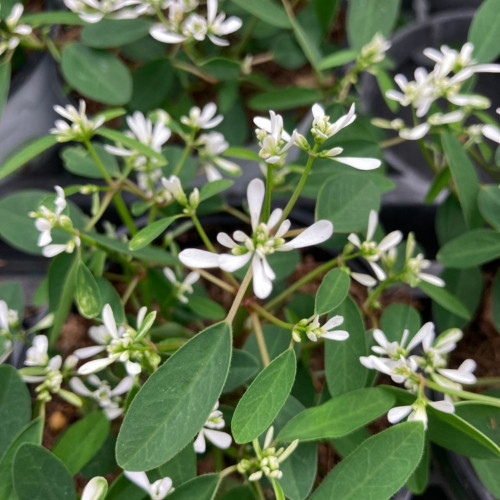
x=332 y=291
x=365 y=18
x=445 y=299
x=338 y=58
x=287 y=53
x=175 y=401
x=283 y=99
x=339 y=416
x=199 y=488
x=269 y=12
x=88 y=296
x=242 y=153
x=118 y=137
x=96 y=74
x=81 y=441
x=123 y=489
x=15 y=405
x=489 y=474
x=346 y=201
x=215 y=187
x=308 y=46
x=471 y=249
x=39 y=474
x=222 y=68
x=483 y=32
x=12 y=294
x=181 y=468
x=152 y=83
x=450 y=221
x=397 y=318
x=326 y=11
x=4 y=85
x=32 y=433
x=109 y=33
x=243 y=367
x=264 y=398
x=206 y=308
x=103 y=462
x=386 y=82
x=110 y=296
x=62 y=281
x=277 y=341
x=378 y=467
x=465 y=178
x=418 y=481
x=145 y=236
x=77 y=160
x=344 y=372
x=53 y=17
x=299 y=471
x=489 y=204
x=27 y=153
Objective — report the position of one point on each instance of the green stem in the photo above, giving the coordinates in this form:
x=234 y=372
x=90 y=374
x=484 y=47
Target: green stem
x=239 y=296
x=228 y=470
x=471 y=396
x=202 y=233
x=301 y=184
x=98 y=162
x=269 y=189
x=271 y=318
x=183 y=158
x=487 y=381
x=261 y=342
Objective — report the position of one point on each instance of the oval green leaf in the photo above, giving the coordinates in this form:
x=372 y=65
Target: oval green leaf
x=88 y=295
x=332 y=291
x=175 y=401
x=145 y=236
x=110 y=33
x=282 y=99
x=489 y=204
x=199 y=488
x=484 y=30
x=243 y=367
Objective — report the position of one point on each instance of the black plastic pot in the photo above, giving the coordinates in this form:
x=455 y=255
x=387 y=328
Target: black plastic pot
x=426 y=8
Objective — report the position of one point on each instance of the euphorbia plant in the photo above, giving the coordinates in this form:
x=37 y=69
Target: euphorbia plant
x=202 y=341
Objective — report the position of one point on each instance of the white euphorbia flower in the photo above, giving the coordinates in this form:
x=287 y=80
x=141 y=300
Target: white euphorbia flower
x=204 y=119
x=95 y=489
x=8 y=319
x=401 y=371
x=108 y=399
x=409 y=134
x=364 y=279
x=417 y=411
x=373 y=52
x=265 y=239
x=210 y=147
x=181 y=288
x=173 y=188
x=10 y=38
x=372 y=251
x=446 y=118
x=37 y=354
x=454 y=378
x=157 y=490
x=218 y=26
x=93 y=11
x=274 y=141
x=118 y=342
x=80 y=126
x=313 y=330
x=491 y=132
x=211 y=431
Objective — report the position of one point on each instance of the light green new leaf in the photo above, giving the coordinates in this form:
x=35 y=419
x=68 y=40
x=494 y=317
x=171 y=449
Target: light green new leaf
x=346 y=201
x=397 y=318
x=339 y=416
x=77 y=160
x=338 y=58
x=489 y=204
x=27 y=153
x=145 y=236
x=215 y=187
x=32 y=433
x=365 y=18
x=39 y=474
x=88 y=295
x=199 y=488
x=471 y=249
x=96 y=74
x=344 y=372
x=483 y=32
x=175 y=401
x=109 y=33
x=264 y=398
x=81 y=441
x=465 y=178
x=15 y=405
x=332 y=291
x=445 y=299
x=4 y=84
x=267 y=11
x=378 y=467
x=243 y=367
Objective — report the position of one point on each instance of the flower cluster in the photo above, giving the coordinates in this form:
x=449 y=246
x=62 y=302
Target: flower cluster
x=210 y=146
x=266 y=239
x=373 y=53
x=396 y=360
x=183 y=25
x=267 y=459
x=92 y=11
x=313 y=330
x=11 y=31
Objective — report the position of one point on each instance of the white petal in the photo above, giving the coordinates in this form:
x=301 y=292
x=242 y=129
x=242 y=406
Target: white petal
x=88 y=352
x=491 y=132
x=462 y=377
x=202 y=259
x=415 y=133
x=359 y=163
x=159 y=33
x=95 y=489
x=139 y=478
x=318 y=111
x=132 y=368
x=230 y=263
x=427 y=331
x=109 y=321
x=94 y=366
x=274 y=218
x=255 y=195
x=364 y=279
x=78 y=387
x=391 y=240
x=354 y=239
x=433 y=280
x=469 y=365
x=199 y=443
x=444 y=406
x=397 y=414
x=372 y=225
x=336 y=335
x=380 y=337
x=53 y=250
x=123 y=386
x=333 y=322
x=220 y=439
x=379 y=272
x=262 y=285
x=317 y=233
x=225 y=240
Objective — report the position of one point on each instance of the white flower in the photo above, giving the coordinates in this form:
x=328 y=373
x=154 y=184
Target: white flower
x=417 y=411
x=107 y=398
x=95 y=489
x=143 y=130
x=202 y=118
x=10 y=38
x=211 y=146
x=173 y=189
x=218 y=25
x=81 y=128
x=401 y=371
x=374 y=51
x=274 y=141
x=157 y=490
x=446 y=118
x=455 y=378
x=92 y=11
x=491 y=132
x=373 y=251
x=364 y=279
x=117 y=342
x=181 y=288
x=211 y=431
x=314 y=331
x=265 y=240
x=37 y=354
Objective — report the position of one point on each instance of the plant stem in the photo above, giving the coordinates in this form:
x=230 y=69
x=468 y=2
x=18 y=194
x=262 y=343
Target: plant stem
x=487 y=381
x=228 y=470
x=301 y=184
x=104 y=205
x=239 y=296
x=216 y=281
x=391 y=142
x=471 y=396
x=202 y=233
x=271 y=318
x=258 y=489
x=261 y=343
x=130 y=289
x=184 y=157
x=266 y=212
x=236 y=213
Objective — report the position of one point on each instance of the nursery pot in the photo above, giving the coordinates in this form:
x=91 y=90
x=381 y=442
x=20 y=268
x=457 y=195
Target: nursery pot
x=424 y=8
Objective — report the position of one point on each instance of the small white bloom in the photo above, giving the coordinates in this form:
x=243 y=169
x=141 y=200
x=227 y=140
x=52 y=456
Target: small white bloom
x=266 y=239
x=37 y=354
x=12 y=36
x=374 y=51
x=491 y=132
x=417 y=411
x=314 y=331
x=218 y=26
x=181 y=288
x=210 y=147
x=364 y=279
x=157 y=490
x=273 y=139
x=202 y=118
x=211 y=431
x=95 y=489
